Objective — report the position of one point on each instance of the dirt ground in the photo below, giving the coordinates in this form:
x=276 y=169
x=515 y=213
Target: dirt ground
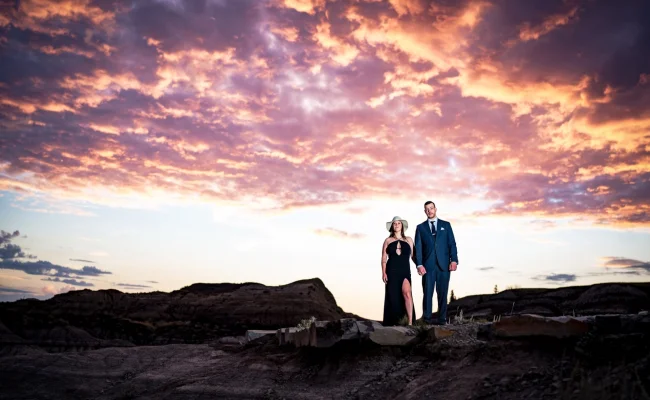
x=458 y=368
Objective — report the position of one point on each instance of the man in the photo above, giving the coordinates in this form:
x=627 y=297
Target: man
x=436 y=256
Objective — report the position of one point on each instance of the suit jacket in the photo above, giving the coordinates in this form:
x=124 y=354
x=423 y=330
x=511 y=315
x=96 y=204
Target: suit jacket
x=445 y=246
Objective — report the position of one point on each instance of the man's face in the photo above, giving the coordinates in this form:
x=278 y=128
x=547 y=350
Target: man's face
x=430 y=210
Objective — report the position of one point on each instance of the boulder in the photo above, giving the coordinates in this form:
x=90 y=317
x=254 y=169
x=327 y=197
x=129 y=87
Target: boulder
x=367 y=327
x=286 y=335
x=232 y=340
x=328 y=333
x=325 y=334
x=257 y=334
x=608 y=323
x=349 y=329
x=639 y=323
x=438 y=332
x=394 y=336
x=528 y=325
x=304 y=337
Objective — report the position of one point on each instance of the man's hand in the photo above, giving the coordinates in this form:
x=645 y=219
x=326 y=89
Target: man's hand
x=384 y=277
x=421 y=270
x=453 y=266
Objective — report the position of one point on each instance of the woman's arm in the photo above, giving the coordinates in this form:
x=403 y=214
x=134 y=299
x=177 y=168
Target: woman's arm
x=384 y=259
x=410 y=242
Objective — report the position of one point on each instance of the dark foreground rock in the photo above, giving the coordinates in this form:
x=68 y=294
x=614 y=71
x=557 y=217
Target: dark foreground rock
x=602 y=298
x=448 y=363
x=88 y=319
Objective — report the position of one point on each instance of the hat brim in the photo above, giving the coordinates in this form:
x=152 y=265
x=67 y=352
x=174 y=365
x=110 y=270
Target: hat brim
x=404 y=223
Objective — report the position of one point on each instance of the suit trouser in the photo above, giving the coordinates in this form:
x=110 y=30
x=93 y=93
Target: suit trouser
x=435 y=277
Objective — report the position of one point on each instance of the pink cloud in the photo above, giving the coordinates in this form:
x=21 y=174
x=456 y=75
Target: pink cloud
x=231 y=101
x=52 y=290
x=339 y=233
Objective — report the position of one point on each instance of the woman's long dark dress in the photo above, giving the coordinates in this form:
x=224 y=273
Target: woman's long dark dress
x=398 y=268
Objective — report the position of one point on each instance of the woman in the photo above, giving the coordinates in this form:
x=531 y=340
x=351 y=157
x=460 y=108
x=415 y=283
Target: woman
x=396 y=254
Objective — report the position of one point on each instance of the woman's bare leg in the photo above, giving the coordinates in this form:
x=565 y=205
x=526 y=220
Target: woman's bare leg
x=408 y=299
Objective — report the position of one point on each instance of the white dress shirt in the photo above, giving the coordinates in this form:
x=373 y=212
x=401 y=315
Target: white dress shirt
x=435 y=223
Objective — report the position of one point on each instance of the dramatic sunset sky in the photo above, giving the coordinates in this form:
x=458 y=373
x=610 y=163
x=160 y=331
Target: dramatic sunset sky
x=149 y=145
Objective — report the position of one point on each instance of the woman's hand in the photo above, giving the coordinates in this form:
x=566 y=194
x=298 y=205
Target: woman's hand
x=384 y=277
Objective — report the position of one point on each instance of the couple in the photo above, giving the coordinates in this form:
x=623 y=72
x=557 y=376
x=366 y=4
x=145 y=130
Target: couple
x=434 y=253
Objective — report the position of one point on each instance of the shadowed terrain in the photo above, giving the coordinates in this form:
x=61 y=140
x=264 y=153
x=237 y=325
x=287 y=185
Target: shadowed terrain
x=46 y=347
x=194 y=314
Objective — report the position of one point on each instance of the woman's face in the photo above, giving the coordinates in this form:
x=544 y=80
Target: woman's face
x=397 y=226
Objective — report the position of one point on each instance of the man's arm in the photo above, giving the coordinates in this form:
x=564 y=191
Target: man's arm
x=418 y=252
x=453 y=252
x=418 y=247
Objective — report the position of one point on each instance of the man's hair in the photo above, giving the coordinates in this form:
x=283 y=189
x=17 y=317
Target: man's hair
x=429 y=202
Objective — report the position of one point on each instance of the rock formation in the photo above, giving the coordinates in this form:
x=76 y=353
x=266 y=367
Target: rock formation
x=603 y=298
x=337 y=355
x=194 y=314
x=521 y=357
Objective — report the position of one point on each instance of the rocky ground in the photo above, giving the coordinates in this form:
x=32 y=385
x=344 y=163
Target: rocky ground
x=203 y=342
x=601 y=364
x=91 y=319
x=602 y=298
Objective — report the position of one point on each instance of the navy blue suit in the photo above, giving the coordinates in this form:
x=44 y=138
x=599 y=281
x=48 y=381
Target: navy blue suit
x=435 y=253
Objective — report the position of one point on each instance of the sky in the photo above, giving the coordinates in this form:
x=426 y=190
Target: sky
x=149 y=145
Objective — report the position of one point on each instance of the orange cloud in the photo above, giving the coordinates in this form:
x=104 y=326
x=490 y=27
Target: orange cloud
x=343 y=53
x=306 y=6
x=127 y=112
x=528 y=32
x=404 y=7
x=31 y=14
x=289 y=33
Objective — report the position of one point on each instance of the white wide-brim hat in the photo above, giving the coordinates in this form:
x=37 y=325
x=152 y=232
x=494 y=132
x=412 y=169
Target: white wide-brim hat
x=404 y=223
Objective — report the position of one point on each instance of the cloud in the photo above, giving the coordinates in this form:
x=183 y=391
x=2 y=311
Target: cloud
x=528 y=32
x=557 y=278
x=84 y=261
x=485 y=268
x=5 y=290
x=609 y=273
x=543 y=224
x=46 y=268
x=6 y=237
x=13 y=294
x=9 y=251
x=626 y=265
x=339 y=233
x=151 y=281
x=51 y=290
x=132 y=286
x=72 y=282
x=166 y=102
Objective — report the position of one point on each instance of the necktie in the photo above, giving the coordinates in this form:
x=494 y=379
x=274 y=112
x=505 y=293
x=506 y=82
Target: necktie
x=433 y=228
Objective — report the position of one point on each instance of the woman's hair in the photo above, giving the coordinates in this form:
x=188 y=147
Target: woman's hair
x=392 y=230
